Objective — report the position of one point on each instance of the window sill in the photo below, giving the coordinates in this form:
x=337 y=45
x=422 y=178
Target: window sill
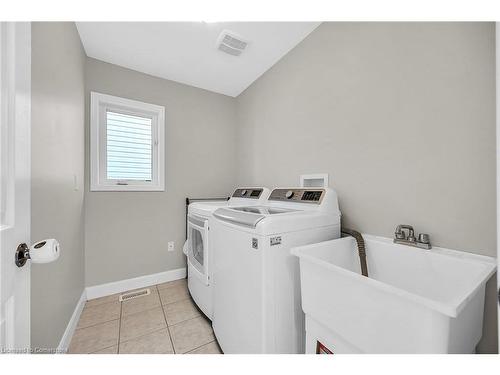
x=119 y=188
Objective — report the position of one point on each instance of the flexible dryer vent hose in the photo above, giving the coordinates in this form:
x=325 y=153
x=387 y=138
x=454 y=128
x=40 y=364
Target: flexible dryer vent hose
x=361 y=248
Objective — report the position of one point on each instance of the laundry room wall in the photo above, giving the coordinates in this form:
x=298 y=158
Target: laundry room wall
x=57 y=175
x=401 y=116
x=126 y=233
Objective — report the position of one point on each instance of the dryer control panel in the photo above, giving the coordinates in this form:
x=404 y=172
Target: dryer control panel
x=298 y=195
x=251 y=193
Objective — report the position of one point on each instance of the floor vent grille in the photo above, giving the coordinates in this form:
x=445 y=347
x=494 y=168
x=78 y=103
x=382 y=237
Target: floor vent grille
x=134 y=294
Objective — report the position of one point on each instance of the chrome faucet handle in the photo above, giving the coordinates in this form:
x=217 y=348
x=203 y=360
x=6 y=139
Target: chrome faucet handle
x=424 y=238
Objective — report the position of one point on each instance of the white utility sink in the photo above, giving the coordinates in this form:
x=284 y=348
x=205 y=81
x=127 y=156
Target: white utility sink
x=414 y=300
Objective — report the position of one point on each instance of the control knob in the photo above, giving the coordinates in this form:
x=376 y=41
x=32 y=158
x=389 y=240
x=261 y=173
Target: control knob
x=289 y=194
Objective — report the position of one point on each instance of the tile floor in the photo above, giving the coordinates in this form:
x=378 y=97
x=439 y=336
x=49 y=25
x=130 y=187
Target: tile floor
x=166 y=321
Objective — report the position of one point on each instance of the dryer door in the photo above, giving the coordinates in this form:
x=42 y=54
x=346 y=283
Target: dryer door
x=198 y=246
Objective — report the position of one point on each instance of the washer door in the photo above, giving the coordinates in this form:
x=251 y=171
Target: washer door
x=198 y=247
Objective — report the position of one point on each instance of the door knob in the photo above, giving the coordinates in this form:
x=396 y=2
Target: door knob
x=45 y=251
x=22 y=255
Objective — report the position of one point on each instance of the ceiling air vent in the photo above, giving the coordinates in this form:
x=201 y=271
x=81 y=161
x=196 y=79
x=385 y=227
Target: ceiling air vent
x=231 y=43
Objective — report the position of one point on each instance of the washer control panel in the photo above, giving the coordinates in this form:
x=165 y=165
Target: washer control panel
x=298 y=195
x=247 y=193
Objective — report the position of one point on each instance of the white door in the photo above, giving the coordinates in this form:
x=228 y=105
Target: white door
x=15 y=94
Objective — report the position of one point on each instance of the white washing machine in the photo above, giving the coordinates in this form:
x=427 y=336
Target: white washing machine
x=198 y=248
x=257 y=304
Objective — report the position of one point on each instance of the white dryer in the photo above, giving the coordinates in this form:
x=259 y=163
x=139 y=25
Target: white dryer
x=257 y=304
x=198 y=248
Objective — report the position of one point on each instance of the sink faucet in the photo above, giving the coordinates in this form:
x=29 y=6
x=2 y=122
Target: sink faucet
x=400 y=237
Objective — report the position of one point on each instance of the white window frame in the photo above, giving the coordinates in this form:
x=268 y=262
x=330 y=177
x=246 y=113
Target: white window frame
x=99 y=104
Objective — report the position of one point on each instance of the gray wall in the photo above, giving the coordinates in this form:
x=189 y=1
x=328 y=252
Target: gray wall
x=401 y=116
x=127 y=232
x=57 y=155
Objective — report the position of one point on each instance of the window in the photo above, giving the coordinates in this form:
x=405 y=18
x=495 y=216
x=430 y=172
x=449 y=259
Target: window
x=126 y=144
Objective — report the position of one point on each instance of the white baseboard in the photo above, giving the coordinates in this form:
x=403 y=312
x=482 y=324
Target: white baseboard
x=73 y=322
x=108 y=289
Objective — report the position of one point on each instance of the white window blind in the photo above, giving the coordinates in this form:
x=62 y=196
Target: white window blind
x=129 y=146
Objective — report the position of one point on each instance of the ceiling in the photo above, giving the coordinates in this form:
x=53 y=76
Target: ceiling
x=186 y=52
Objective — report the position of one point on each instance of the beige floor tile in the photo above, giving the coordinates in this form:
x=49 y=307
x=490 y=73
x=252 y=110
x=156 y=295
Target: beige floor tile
x=101 y=300
x=111 y=350
x=191 y=334
x=141 y=303
x=154 y=343
x=174 y=293
x=142 y=323
x=92 y=315
x=177 y=312
x=170 y=284
x=210 y=348
x=91 y=339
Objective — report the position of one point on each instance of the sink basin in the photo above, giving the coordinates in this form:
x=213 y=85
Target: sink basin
x=414 y=300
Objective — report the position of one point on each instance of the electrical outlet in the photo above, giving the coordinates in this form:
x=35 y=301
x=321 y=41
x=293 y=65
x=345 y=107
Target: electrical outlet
x=171 y=246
